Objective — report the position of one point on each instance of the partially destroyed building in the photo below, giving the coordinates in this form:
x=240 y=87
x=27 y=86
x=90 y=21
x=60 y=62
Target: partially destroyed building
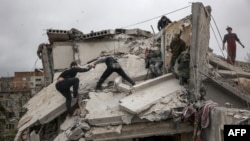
x=14 y=93
x=153 y=109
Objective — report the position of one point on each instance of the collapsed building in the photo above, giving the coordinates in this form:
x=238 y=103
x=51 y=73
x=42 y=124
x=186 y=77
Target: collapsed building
x=153 y=109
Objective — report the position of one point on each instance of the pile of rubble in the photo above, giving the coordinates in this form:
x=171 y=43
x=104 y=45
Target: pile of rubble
x=119 y=103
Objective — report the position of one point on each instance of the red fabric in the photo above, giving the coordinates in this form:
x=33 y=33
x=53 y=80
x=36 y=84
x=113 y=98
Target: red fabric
x=231 y=50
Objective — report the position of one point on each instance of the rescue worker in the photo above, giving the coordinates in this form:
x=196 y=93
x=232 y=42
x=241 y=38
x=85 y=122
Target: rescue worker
x=177 y=45
x=154 y=61
x=231 y=39
x=163 y=22
x=181 y=68
x=112 y=66
x=66 y=80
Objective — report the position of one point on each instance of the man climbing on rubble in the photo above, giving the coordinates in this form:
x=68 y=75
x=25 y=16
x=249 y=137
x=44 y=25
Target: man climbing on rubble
x=112 y=66
x=66 y=80
x=154 y=61
x=177 y=45
x=163 y=22
x=231 y=39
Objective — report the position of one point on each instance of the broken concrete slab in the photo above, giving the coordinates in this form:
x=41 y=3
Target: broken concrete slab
x=244 y=84
x=138 y=32
x=55 y=111
x=151 y=93
x=164 y=108
x=48 y=99
x=103 y=109
x=120 y=86
x=83 y=125
x=61 y=137
x=137 y=130
x=69 y=123
x=82 y=139
x=74 y=133
x=233 y=74
x=151 y=82
x=34 y=136
x=221 y=64
x=228 y=88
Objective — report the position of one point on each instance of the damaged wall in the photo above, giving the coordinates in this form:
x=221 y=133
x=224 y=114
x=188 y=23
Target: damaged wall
x=85 y=51
x=199 y=46
x=223 y=116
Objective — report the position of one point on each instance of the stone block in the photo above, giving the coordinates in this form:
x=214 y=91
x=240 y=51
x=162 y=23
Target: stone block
x=61 y=137
x=142 y=99
x=74 y=133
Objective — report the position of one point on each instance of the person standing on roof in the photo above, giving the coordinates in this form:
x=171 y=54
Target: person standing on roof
x=231 y=39
x=163 y=22
x=68 y=79
x=112 y=66
x=177 y=45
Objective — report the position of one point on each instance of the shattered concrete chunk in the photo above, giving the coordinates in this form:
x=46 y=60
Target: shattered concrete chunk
x=74 y=133
x=104 y=109
x=68 y=123
x=118 y=129
x=144 y=98
x=82 y=139
x=83 y=125
x=61 y=137
x=34 y=136
x=163 y=109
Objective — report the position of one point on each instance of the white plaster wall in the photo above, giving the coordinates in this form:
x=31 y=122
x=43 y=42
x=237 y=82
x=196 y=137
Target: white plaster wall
x=90 y=50
x=62 y=55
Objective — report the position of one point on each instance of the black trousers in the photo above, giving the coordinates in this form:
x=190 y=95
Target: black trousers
x=109 y=71
x=64 y=88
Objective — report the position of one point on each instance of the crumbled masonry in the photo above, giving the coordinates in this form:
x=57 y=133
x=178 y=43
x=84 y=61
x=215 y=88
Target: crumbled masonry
x=154 y=106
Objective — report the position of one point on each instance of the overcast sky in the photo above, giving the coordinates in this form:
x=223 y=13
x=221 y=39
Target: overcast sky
x=24 y=23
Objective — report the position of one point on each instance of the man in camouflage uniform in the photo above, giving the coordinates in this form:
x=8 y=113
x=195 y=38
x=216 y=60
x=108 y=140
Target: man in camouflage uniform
x=177 y=45
x=181 y=68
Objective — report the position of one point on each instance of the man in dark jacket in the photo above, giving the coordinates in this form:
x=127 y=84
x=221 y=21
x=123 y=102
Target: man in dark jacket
x=163 y=22
x=112 y=66
x=177 y=45
x=66 y=80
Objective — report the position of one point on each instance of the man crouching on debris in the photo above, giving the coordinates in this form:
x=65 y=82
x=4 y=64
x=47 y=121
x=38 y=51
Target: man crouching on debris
x=154 y=61
x=112 y=66
x=67 y=79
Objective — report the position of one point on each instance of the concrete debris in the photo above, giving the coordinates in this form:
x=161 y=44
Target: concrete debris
x=136 y=131
x=82 y=139
x=61 y=137
x=118 y=129
x=74 y=133
x=83 y=125
x=233 y=74
x=164 y=109
x=121 y=111
x=243 y=84
x=153 y=91
x=34 y=136
x=68 y=123
x=120 y=86
x=103 y=109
